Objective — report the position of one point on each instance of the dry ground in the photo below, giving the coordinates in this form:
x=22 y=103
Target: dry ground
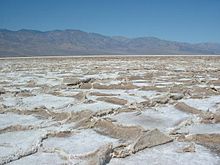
x=116 y=110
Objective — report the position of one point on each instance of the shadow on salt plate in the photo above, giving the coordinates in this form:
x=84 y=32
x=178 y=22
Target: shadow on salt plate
x=163 y=118
x=167 y=154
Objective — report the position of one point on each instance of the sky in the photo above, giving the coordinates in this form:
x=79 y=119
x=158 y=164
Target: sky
x=178 y=20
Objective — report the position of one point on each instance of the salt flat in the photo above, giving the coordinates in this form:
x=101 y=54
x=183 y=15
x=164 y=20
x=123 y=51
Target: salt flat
x=116 y=110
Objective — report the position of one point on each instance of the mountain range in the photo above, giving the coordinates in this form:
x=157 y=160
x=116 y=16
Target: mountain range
x=75 y=42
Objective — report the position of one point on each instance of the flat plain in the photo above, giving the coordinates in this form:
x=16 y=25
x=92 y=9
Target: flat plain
x=110 y=110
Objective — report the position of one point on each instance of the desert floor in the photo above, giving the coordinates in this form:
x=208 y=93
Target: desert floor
x=116 y=110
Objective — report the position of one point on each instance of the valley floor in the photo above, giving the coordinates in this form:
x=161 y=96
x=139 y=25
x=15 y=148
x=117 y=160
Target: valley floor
x=110 y=110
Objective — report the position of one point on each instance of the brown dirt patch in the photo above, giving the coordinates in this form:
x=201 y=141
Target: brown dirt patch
x=113 y=100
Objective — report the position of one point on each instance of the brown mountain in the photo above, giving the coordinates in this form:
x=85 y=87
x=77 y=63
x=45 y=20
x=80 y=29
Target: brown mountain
x=76 y=42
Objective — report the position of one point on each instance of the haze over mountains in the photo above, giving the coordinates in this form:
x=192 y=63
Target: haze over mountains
x=76 y=42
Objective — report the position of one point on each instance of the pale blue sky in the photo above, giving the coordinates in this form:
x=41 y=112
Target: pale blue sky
x=180 y=20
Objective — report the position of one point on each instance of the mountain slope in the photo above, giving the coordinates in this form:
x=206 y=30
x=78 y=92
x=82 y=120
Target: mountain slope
x=76 y=42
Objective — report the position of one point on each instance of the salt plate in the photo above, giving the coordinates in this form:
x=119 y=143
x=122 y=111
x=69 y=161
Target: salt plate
x=49 y=101
x=162 y=118
x=13 y=143
x=84 y=142
x=14 y=119
x=167 y=154
x=40 y=158
x=207 y=104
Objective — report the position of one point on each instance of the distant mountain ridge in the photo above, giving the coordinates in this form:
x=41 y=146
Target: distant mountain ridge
x=75 y=42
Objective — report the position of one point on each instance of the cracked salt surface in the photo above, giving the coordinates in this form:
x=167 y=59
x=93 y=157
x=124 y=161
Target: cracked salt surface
x=10 y=101
x=135 y=93
x=14 y=119
x=49 y=101
x=37 y=83
x=18 y=142
x=95 y=107
x=79 y=143
x=201 y=129
x=163 y=118
x=211 y=103
x=141 y=84
x=40 y=158
x=167 y=154
x=103 y=76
